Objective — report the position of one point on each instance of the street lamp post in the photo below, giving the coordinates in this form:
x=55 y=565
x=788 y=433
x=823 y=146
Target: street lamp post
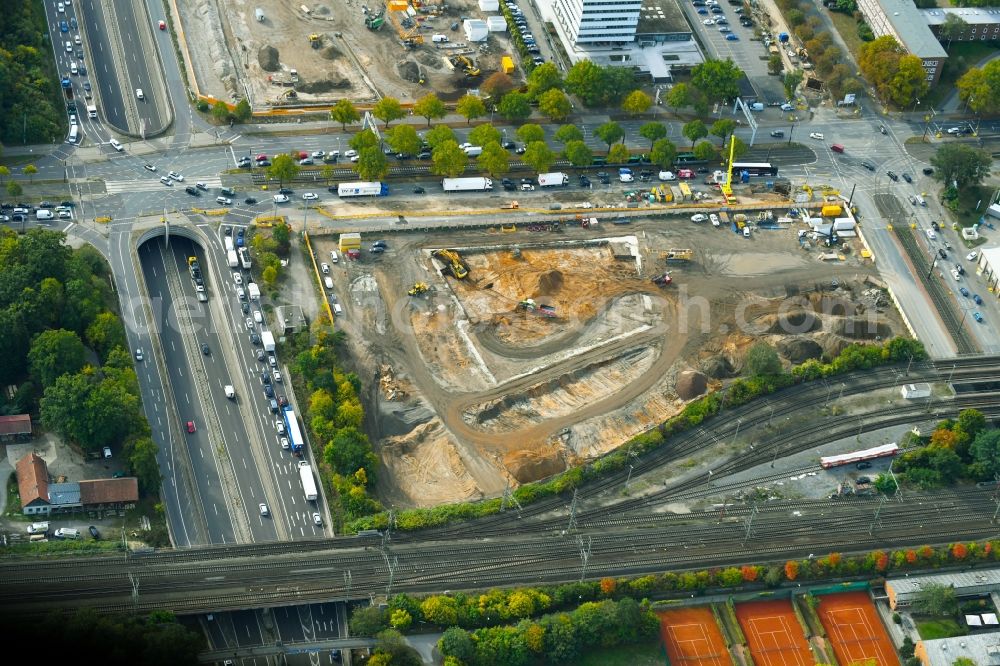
x=916 y=103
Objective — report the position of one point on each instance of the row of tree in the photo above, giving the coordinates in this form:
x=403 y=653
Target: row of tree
x=979 y=87
x=57 y=311
x=31 y=106
x=897 y=76
x=827 y=58
x=965 y=448
x=334 y=416
x=771 y=378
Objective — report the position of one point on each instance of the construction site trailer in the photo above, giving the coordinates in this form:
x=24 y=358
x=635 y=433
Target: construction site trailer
x=915 y=391
x=349 y=241
x=857 y=456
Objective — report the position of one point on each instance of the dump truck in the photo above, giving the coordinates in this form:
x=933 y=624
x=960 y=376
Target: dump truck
x=467 y=184
x=362 y=189
x=553 y=179
x=452 y=262
x=540 y=309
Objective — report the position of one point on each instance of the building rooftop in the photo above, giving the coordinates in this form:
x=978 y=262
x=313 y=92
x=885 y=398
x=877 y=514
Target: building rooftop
x=911 y=26
x=965 y=579
x=983 y=649
x=992 y=255
x=659 y=17
x=971 y=15
x=17 y=424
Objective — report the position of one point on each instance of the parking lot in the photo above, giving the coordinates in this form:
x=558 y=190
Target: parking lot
x=750 y=55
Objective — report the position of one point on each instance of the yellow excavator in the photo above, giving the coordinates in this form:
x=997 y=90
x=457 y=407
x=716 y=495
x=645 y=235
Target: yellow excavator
x=452 y=262
x=315 y=41
x=418 y=289
x=467 y=66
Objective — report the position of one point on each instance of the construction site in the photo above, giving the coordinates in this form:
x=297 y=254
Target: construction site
x=283 y=54
x=503 y=355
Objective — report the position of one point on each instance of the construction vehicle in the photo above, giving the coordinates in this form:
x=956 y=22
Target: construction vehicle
x=466 y=65
x=293 y=75
x=315 y=41
x=453 y=263
x=663 y=280
x=375 y=21
x=677 y=256
x=403 y=17
x=290 y=93
x=418 y=289
x=529 y=305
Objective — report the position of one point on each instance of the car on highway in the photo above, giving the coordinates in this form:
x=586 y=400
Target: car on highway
x=175 y=176
x=249 y=323
x=892 y=176
x=816 y=135
x=931 y=235
x=317 y=520
x=237 y=277
x=250 y=201
x=277 y=376
x=192 y=191
x=976 y=299
x=724 y=28
x=319 y=154
x=63 y=26
x=978 y=317
x=116 y=145
x=205 y=349
x=138 y=354
x=955 y=274
x=963 y=291
x=166 y=181
x=190 y=426
x=258 y=317
x=732 y=38
x=527 y=187
x=162 y=25
x=139 y=94
x=325 y=268
x=960 y=269
x=280 y=427
x=972 y=255
x=778 y=133
x=907 y=177
x=864 y=464
x=282 y=400
x=263 y=509
x=310 y=196
x=284 y=443
x=223 y=201
x=280 y=198
x=351 y=153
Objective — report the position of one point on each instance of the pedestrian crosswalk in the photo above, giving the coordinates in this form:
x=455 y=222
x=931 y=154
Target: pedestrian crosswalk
x=152 y=185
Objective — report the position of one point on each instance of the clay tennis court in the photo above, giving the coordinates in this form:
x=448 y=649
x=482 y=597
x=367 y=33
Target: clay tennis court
x=854 y=629
x=773 y=633
x=692 y=637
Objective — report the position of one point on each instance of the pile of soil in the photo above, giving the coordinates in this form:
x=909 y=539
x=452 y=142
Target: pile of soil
x=799 y=350
x=717 y=367
x=322 y=86
x=527 y=466
x=690 y=384
x=330 y=52
x=408 y=71
x=268 y=59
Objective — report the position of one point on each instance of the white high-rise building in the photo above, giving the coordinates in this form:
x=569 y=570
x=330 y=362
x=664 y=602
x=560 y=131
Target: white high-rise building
x=598 y=22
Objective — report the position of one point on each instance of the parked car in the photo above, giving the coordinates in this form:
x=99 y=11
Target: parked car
x=816 y=135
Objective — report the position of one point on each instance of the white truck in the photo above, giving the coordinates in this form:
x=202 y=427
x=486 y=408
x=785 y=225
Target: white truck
x=308 y=481
x=362 y=189
x=253 y=291
x=244 y=258
x=553 y=179
x=92 y=110
x=467 y=184
x=234 y=261
x=228 y=241
x=267 y=338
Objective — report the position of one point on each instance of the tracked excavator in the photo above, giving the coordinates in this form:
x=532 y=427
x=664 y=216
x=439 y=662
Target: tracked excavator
x=453 y=263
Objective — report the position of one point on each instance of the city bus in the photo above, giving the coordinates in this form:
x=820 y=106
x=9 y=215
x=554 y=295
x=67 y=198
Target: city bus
x=755 y=168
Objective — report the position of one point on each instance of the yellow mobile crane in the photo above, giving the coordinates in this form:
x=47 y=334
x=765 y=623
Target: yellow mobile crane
x=399 y=14
x=727 y=187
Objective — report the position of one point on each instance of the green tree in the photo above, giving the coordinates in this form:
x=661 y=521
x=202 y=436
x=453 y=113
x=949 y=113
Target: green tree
x=105 y=333
x=530 y=132
x=543 y=79
x=985 y=452
x=717 y=79
x=4 y=172
x=350 y=451
x=494 y=160
x=368 y=620
x=936 y=599
x=694 y=130
x=909 y=82
x=400 y=619
x=954 y=27
x=791 y=82
x=762 y=360
x=430 y=107
x=515 y=106
x=704 y=150
x=403 y=139
x=55 y=353
x=879 y=62
x=344 y=112
x=142 y=462
x=679 y=96
x=388 y=109
x=363 y=140
x=722 y=128
x=220 y=111
x=457 y=642
x=960 y=165
x=885 y=484
x=653 y=132
x=567 y=133
x=14 y=188
x=618 y=154
x=775 y=64
x=538 y=156
x=971 y=422
x=440 y=610
x=30 y=172
x=471 y=107
x=439 y=135
x=372 y=164
x=555 y=105
x=578 y=154
x=283 y=169
x=610 y=132
x=585 y=79
x=637 y=102
x=663 y=153
x=243 y=111
x=448 y=160
x=484 y=134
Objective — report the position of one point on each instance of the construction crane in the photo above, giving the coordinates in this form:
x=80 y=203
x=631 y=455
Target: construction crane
x=405 y=23
x=467 y=65
x=727 y=187
x=453 y=263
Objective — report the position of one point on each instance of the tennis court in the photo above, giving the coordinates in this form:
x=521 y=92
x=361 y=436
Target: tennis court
x=773 y=633
x=854 y=629
x=693 y=638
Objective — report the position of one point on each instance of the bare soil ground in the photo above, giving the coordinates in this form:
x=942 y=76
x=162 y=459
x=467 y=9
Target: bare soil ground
x=476 y=392
x=240 y=53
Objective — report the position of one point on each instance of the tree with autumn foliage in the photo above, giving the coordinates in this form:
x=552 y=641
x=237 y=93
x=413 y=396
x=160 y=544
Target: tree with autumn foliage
x=749 y=573
x=911 y=557
x=608 y=586
x=791 y=569
x=881 y=561
x=959 y=551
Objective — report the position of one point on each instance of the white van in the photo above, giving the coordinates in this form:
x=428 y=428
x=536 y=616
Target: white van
x=333 y=257
x=337 y=310
x=921 y=201
x=73 y=69
x=328 y=282
x=116 y=145
x=474 y=151
x=757 y=106
x=38 y=528
x=67 y=533
x=44 y=214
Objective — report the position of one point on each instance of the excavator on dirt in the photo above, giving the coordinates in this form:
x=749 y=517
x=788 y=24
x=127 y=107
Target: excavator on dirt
x=418 y=289
x=453 y=263
x=466 y=65
x=315 y=41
